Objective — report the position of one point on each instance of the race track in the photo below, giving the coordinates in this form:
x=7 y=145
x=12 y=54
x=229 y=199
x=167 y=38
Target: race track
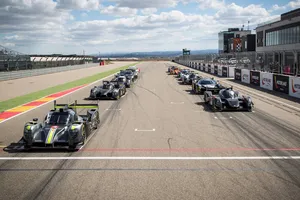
x=224 y=155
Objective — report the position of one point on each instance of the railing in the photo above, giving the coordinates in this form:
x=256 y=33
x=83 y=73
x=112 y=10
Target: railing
x=36 y=72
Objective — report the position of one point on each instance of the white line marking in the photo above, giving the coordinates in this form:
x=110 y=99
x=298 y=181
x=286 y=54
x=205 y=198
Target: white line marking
x=151 y=130
x=177 y=102
x=113 y=109
x=253 y=111
x=156 y=158
x=54 y=99
x=216 y=117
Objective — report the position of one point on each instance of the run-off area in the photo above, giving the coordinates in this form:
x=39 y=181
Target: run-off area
x=161 y=141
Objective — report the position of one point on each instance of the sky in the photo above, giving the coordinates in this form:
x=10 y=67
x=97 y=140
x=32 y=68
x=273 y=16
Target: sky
x=107 y=26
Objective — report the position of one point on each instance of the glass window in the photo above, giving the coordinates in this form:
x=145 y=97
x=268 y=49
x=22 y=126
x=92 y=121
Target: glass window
x=290 y=35
x=298 y=34
x=272 y=38
x=267 y=39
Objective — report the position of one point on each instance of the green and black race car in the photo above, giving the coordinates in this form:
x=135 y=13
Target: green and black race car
x=62 y=127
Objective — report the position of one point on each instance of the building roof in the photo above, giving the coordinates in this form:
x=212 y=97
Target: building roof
x=284 y=16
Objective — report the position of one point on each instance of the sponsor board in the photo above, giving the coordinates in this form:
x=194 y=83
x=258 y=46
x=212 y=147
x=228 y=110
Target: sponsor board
x=294 y=87
x=202 y=67
x=281 y=83
x=216 y=70
x=209 y=68
x=212 y=70
x=238 y=74
x=220 y=70
x=266 y=80
x=225 y=71
x=245 y=76
x=255 y=78
x=206 y=68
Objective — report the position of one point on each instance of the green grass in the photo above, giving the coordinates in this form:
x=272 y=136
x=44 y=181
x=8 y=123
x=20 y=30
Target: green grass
x=11 y=103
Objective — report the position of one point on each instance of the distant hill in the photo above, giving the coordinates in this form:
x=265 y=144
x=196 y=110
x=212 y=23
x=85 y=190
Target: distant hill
x=155 y=54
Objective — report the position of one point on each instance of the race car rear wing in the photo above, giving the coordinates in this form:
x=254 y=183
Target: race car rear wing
x=75 y=105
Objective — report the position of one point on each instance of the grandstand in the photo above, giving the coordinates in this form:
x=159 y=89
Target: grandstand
x=12 y=60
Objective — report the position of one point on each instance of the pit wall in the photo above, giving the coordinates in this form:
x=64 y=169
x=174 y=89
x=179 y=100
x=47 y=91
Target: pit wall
x=289 y=85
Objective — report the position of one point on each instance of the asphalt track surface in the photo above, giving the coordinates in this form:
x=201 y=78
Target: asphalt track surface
x=160 y=118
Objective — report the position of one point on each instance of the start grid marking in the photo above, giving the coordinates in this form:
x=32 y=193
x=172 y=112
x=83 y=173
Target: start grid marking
x=154 y=158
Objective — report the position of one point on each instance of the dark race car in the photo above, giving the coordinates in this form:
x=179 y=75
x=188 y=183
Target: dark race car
x=62 y=127
x=207 y=84
x=171 y=68
x=109 y=90
x=121 y=77
x=183 y=73
x=188 y=79
x=130 y=75
x=228 y=99
x=134 y=70
x=195 y=81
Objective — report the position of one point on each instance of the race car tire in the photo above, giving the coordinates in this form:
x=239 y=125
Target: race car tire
x=72 y=147
x=84 y=136
x=27 y=146
x=249 y=108
x=213 y=107
x=118 y=96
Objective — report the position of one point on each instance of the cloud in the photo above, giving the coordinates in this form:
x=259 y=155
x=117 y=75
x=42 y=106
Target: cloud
x=294 y=4
x=148 y=11
x=118 y=11
x=84 y=14
x=45 y=26
x=140 y=4
x=214 y=4
x=78 y=4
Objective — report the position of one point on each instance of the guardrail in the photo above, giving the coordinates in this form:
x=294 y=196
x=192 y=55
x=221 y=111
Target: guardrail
x=271 y=81
x=36 y=72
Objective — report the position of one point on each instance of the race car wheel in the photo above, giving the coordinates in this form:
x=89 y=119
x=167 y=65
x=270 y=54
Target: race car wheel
x=83 y=132
x=214 y=107
x=249 y=109
x=118 y=96
x=27 y=146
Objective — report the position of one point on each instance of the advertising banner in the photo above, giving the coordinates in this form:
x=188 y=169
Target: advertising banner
x=255 y=78
x=238 y=74
x=206 y=68
x=281 y=83
x=202 y=67
x=245 y=76
x=266 y=80
x=225 y=71
x=209 y=68
x=216 y=70
x=294 y=86
x=220 y=70
x=231 y=72
x=212 y=70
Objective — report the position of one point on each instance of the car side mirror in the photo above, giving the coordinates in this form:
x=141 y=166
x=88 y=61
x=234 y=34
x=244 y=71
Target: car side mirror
x=35 y=119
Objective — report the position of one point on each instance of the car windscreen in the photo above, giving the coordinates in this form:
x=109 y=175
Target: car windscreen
x=106 y=86
x=122 y=73
x=59 y=118
x=207 y=82
x=121 y=79
x=228 y=94
x=128 y=73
